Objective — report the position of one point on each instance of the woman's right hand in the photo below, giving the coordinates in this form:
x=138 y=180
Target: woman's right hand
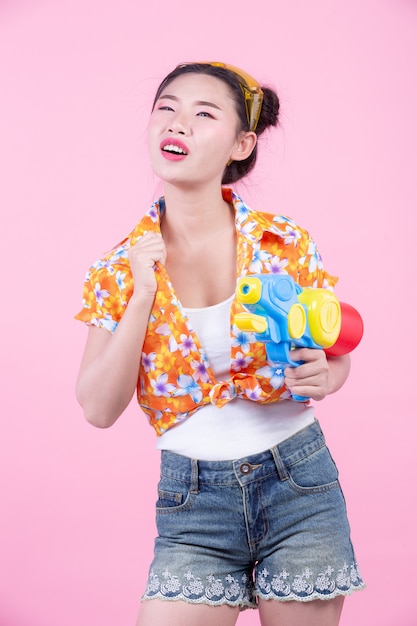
x=143 y=255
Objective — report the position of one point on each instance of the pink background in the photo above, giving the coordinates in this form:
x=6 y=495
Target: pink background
x=77 y=79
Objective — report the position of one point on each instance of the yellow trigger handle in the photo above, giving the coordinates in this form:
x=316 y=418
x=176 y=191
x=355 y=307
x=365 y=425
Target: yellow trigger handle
x=250 y=322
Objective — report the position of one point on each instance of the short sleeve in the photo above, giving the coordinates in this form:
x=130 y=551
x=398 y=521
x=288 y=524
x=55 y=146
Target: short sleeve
x=107 y=288
x=311 y=268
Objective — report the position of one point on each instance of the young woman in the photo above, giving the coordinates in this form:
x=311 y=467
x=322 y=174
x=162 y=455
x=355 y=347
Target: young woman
x=250 y=511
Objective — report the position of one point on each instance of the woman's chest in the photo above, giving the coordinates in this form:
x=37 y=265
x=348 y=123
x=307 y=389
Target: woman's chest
x=203 y=277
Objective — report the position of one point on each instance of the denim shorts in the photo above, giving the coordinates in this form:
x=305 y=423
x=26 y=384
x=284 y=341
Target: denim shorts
x=272 y=525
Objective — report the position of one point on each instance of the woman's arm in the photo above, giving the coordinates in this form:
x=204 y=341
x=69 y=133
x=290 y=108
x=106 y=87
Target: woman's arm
x=319 y=375
x=110 y=365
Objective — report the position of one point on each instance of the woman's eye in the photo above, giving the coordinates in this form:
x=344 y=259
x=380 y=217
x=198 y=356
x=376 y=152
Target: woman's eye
x=204 y=114
x=165 y=107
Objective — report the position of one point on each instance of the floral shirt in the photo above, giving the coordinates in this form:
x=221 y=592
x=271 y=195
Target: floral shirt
x=175 y=378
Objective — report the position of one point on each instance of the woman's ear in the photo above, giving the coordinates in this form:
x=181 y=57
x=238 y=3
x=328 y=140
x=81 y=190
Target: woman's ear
x=244 y=146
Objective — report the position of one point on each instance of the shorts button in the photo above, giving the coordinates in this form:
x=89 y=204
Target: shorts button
x=245 y=468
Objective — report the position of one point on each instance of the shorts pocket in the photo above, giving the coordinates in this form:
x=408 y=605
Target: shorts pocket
x=173 y=496
x=314 y=473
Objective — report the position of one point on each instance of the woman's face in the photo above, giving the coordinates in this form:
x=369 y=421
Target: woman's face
x=193 y=130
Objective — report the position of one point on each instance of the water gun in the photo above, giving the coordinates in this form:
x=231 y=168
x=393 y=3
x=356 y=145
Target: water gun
x=286 y=316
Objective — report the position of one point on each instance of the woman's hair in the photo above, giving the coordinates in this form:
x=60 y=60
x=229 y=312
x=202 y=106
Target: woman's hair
x=268 y=117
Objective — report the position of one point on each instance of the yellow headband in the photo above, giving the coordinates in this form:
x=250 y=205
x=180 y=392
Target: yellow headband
x=250 y=87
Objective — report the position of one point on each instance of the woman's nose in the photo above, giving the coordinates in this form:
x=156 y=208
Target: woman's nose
x=178 y=126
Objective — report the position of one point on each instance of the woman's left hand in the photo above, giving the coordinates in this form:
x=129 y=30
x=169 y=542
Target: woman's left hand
x=318 y=376
x=311 y=379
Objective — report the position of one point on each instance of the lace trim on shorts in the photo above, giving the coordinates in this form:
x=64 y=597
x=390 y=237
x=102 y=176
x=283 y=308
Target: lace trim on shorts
x=235 y=592
x=212 y=591
x=304 y=586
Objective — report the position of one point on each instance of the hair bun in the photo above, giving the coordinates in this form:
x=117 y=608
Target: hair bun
x=269 y=112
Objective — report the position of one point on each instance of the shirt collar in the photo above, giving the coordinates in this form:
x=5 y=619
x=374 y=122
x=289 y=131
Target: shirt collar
x=250 y=224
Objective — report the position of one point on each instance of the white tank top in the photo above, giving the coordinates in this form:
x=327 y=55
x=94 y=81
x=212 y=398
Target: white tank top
x=241 y=427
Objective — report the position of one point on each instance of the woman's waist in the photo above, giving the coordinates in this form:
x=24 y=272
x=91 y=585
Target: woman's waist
x=237 y=429
x=223 y=471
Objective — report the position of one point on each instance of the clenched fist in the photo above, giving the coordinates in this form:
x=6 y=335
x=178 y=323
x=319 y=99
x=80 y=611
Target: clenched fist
x=143 y=255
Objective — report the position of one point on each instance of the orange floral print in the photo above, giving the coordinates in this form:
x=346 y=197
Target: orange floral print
x=175 y=378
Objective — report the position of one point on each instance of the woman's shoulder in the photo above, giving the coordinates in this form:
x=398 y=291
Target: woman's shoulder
x=279 y=224
x=284 y=245
x=268 y=219
x=119 y=252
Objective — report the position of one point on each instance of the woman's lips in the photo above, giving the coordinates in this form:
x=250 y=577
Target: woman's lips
x=173 y=149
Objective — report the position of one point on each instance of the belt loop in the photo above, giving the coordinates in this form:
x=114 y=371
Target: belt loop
x=194 y=476
x=282 y=470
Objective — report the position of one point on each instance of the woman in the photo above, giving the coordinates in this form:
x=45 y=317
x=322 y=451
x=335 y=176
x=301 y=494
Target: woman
x=250 y=512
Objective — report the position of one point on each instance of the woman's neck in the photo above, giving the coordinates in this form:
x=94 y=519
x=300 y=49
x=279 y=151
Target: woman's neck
x=192 y=214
